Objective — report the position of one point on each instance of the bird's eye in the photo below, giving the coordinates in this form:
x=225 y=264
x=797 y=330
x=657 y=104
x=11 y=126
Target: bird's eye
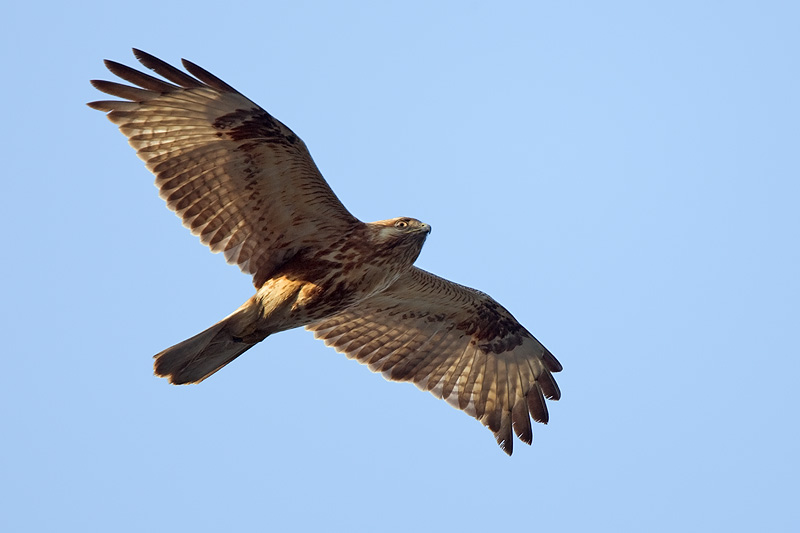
x=401 y=224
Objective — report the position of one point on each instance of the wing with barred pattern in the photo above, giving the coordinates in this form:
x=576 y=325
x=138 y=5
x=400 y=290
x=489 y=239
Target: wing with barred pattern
x=237 y=177
x=457 y=343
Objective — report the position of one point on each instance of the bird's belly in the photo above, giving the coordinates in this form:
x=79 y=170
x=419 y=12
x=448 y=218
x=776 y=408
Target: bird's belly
x=289 y=301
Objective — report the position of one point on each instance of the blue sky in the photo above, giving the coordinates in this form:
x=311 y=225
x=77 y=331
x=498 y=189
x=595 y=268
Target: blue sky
x=623 y=176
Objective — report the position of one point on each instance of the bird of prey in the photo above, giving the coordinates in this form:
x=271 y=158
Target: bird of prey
x=246 y=185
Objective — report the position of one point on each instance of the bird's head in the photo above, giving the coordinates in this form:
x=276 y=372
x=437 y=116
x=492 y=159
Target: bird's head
x=404 y=233
x=402 y=228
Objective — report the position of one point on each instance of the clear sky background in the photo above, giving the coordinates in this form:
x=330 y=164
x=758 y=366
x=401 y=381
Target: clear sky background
x=623 y=176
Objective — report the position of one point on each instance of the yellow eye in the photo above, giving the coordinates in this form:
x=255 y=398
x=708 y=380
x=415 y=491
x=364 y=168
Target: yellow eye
x=401 y=224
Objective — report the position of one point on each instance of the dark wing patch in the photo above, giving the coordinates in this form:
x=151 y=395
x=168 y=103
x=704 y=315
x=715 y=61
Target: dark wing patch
x=238 y=178
x=457 y=343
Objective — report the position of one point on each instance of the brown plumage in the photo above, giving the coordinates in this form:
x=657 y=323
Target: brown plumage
x=247 y=186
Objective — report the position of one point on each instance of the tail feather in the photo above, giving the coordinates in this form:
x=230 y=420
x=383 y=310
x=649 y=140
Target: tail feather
x=196 y=358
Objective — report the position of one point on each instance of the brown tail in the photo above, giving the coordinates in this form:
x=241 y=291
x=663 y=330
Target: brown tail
x=196 y=358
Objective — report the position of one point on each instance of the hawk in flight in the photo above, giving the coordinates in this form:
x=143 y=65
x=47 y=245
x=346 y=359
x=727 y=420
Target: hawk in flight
x=246 y=185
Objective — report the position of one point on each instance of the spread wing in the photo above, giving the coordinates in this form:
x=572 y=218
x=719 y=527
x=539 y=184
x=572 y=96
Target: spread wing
x=457 y=343
x=237 y=177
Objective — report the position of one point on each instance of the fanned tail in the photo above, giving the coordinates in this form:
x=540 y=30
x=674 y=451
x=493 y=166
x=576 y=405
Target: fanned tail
x=196 y=358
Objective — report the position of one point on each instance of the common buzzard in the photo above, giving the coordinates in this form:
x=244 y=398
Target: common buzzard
x=247 y=186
